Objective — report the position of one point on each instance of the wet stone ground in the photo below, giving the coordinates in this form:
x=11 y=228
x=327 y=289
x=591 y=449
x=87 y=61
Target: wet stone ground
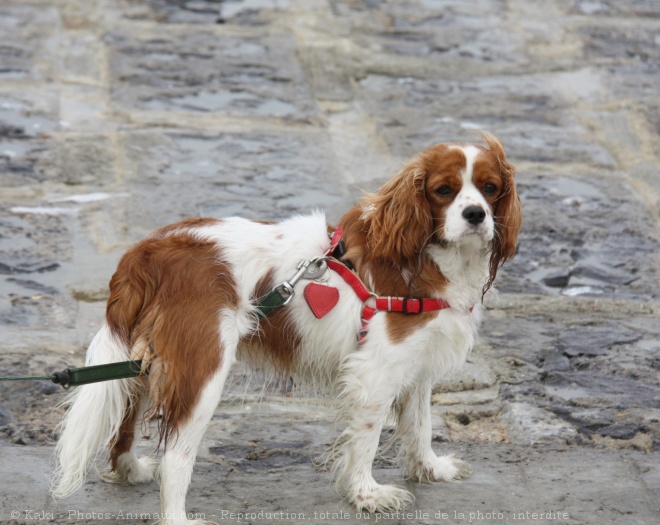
x=120 y=116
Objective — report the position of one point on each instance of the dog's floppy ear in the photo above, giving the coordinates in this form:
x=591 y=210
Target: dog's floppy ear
x=398 y=216
x=507 y=212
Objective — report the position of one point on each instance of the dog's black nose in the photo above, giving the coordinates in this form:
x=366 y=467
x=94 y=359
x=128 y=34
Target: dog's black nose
x=474 y=214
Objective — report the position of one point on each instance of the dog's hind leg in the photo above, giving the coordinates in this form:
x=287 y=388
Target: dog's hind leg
x=181 y=448
x=126 y=467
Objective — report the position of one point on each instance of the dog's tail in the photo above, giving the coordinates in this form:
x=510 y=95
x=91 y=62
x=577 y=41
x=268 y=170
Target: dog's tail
x=95 y=414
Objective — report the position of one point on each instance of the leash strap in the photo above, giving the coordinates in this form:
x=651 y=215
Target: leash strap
x=97 y=373
x=87 y=374
x=271 y=302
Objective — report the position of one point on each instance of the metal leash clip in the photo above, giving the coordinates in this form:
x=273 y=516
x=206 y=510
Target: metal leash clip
x=316 y=268
x=311 y=269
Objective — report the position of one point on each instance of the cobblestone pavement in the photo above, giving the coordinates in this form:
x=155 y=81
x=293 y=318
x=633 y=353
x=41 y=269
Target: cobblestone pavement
x=120 y=116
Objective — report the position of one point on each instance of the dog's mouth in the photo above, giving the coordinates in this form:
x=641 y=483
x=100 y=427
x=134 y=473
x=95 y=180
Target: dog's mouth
x=482 y=230
x=478 y=232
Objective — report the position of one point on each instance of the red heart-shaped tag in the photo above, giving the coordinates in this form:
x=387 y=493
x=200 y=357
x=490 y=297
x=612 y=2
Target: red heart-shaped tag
x=321 y=299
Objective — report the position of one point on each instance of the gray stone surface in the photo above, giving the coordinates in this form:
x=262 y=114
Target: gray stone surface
x=120 y=116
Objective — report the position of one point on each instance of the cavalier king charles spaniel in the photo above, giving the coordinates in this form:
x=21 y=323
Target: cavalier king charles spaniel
x=379 y=308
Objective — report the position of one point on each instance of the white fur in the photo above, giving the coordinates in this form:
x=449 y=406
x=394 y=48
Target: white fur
x=456 y=227
x=94 y=416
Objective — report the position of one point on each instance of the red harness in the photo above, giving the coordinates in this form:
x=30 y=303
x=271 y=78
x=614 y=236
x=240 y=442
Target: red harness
x=406 y=305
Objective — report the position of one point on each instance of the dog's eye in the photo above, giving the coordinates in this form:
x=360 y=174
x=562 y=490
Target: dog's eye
x=490 y=188
x=444 y=190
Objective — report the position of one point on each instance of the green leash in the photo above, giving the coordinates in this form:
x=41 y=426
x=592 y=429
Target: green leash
x=126 y=369
x=87 y=374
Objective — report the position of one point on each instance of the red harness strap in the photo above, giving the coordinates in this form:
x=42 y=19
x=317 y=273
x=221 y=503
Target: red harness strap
x=335 y=239
x=406 y=305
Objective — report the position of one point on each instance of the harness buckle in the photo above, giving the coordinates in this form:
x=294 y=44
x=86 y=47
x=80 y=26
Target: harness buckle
x=407 y=302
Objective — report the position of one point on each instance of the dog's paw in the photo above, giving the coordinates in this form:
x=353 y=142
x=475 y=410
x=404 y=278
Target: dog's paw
x=443 y=468
x=132 y=470
x=144 y=471
x=380 y=498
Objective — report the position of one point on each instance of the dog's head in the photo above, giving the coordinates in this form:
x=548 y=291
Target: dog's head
x=450 y=193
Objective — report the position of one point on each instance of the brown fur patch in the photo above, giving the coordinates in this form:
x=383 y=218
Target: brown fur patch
x=506 y=207
x=164 y=302
x=124 y=438
x=425 y=279
x=401 y=326
x=443 y=166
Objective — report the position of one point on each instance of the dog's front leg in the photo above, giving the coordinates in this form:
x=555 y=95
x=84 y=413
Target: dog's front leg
x=358 y=445
x=414 y=427
x=369 y=390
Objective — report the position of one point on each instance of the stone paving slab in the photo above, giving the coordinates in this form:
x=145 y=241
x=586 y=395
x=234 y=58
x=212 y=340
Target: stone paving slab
x=119 y=116
x=256 y=75
x=257 y=175
x=595 y=257
x=533 y=116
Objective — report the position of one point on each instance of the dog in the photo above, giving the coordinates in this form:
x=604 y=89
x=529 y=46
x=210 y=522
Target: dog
x=380 y=310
